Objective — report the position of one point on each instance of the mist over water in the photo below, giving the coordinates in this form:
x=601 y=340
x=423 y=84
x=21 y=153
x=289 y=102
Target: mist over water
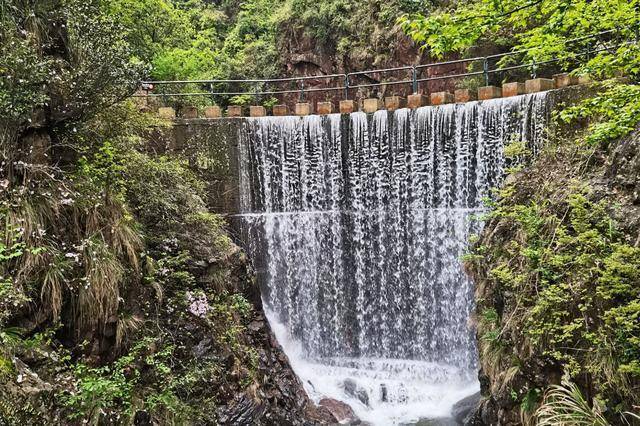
x=356 y=225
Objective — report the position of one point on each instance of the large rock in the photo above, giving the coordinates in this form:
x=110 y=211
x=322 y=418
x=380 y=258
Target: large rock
x=352 y=389
x=342 y=412
x=464 y=409
x=440 y=421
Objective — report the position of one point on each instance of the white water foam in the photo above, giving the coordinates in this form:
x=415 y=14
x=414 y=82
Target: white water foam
x=398 y=391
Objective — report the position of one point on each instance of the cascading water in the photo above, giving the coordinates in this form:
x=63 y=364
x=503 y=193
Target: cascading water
x=356 y=225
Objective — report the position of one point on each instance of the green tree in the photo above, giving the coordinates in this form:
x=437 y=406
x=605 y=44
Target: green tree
x=542 y=27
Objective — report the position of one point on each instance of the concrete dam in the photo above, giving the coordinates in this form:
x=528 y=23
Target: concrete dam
x=356 y=225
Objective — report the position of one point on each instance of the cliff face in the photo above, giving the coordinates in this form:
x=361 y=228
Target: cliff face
x=556 y=273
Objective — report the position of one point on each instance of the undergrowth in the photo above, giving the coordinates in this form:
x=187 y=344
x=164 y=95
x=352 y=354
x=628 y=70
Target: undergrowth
x=561 y=290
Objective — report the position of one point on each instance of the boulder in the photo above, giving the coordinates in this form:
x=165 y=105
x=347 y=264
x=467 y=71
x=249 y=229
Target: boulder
x=352 y=389
x=463 y=410
x=342 y=412
x=440 y=421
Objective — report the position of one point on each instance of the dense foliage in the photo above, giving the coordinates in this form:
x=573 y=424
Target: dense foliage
x=543 y=29
x=199 y=40
x=102 y=246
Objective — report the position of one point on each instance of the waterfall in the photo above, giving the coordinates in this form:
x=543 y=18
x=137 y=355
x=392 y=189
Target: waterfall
x=356 y=225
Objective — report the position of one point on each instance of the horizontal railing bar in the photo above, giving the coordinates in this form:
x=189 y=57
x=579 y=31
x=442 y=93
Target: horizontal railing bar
x=275 y=92
x=258 y=80
x=444 y=77
x=405 y=68
x=382 y=83
x=457 y=61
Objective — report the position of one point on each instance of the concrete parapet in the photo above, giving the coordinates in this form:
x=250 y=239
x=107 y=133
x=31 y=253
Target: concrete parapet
x=189 y=112
x=257 y=111
x=564 y=80
x=440 y=98
x=234 y=111
x=167 y=112
x=347 y=106
x=303 y=108
x=325 y=108
x=280 y=110
x=584 y=79
x=393 y=103
x=465 y=95
x=539 y=85
x=489 y=92
x=513 y=89
x=371 y=105
x=417 y=100
x=213 y=112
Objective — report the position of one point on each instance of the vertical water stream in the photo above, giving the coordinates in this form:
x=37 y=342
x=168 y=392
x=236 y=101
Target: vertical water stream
x=356 y=224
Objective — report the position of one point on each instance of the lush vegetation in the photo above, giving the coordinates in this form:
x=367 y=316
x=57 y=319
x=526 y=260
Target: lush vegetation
x=113 y=272
x=196 y=40
x=107 y=253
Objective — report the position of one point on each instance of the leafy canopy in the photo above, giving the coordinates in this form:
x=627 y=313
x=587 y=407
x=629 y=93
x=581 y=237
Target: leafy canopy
x=543 y=27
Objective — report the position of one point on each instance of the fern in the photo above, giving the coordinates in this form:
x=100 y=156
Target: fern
x=564 y=405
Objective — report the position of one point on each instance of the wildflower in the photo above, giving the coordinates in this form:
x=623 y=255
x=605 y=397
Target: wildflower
x=198 y=305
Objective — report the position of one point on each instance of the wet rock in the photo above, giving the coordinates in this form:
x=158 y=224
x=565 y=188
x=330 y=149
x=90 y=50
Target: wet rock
x=256 y=325
x=142 y=418
x=464 y=409
x=202 y=348
x=342 y=412
x=352 y=389
x=383 y=393
x=440 y=421
x=243 y=411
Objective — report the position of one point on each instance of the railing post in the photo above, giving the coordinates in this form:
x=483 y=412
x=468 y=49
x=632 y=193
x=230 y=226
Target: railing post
x=346 y=86
x=534 y=69
x=414 y=79
x=301 y=90
x=485 y=70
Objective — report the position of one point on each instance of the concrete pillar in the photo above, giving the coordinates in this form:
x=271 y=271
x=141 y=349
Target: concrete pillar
x=325 y=108
x=465 y=95
x=371 y=105
x=538 y=85
x=280 y=110
x=441 y=98
x=167 y=112
x=513 y=89
x=416 y=100
x=584 y=79
x=393 y=103
x=347 y=106
x=189 y=112
x=489 y=92
x=213 y=112
x=257 y=111
x=234 y=111
x=303 y=108
x=564 y=80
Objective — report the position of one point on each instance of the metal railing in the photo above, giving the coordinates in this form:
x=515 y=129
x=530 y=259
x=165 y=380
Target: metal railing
x=491 y=65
